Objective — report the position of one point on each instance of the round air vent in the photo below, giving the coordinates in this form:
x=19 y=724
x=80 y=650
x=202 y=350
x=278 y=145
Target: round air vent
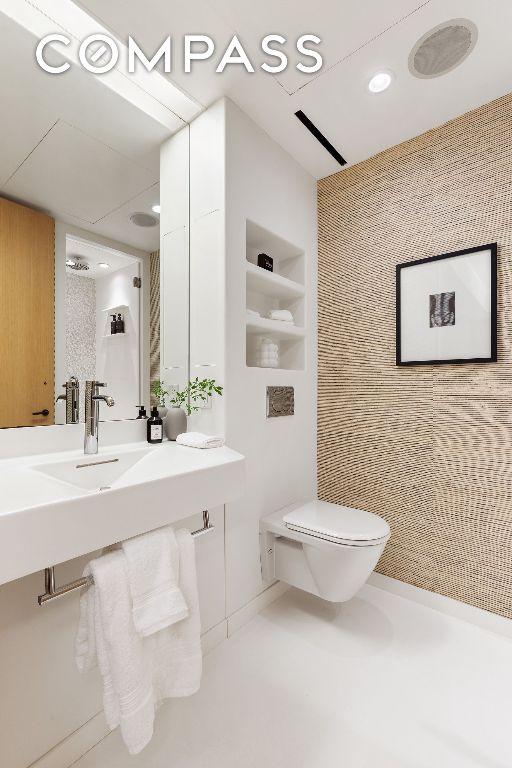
x=443 y=48
x=143 y=220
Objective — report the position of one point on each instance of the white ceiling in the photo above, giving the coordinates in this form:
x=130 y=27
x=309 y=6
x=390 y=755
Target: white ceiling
x=89 y=155
x=95 y=254
x=73 y=148
x=359 y=38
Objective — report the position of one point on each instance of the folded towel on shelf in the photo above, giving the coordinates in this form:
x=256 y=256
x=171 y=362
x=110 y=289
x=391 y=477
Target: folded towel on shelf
x=176 y=651
x=283 y=315
x=107 y=637
x=198 y=440
x=153 y=571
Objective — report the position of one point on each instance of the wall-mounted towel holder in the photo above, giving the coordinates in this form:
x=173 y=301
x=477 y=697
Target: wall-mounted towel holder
x=51 y=592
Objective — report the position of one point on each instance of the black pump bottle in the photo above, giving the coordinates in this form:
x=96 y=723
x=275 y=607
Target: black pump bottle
x=155 y=427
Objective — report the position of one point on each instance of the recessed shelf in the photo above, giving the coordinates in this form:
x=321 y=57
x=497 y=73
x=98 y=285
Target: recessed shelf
x=113 y=335
x=117 y=306
x=275 y=328
x=272 y=284
x=282 y=289
x=260 y=239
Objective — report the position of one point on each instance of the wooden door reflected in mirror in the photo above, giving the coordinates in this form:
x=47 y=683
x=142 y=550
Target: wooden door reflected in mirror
x=27 y=312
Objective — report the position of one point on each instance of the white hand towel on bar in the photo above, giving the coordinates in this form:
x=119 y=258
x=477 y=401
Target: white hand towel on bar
x=137 y=672
x=153 y=570
x=176 y=651
x=107 y=636
x=281 y=314
x=198 y=440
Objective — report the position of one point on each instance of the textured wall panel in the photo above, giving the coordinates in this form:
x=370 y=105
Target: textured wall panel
x=80 y=332
x=427 y=447
x=154 y=318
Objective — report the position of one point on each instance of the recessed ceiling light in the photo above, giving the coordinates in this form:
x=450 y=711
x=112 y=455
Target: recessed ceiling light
x=380 y=82
x=156 y=208
x=70 y=263
x=104 y=265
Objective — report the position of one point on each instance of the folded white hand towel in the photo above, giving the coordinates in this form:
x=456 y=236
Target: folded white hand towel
x=153 y=572
x=176 y=651
x=281 y=314
x=253 y=312
x=107 y=636
x=198 y=440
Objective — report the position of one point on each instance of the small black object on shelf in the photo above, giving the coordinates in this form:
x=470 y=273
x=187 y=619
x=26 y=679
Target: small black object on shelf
x=142 y=412
x=265 y=262
x=119 y=324
x=113 y=325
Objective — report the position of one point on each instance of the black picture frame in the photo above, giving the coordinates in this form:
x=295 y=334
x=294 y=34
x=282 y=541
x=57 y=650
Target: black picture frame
x=493 y=248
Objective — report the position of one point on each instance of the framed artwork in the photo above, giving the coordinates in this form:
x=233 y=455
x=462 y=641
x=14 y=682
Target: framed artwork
x=446 y=308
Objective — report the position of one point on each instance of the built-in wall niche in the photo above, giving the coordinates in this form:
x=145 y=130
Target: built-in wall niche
x=110 y=312
x=281 y=289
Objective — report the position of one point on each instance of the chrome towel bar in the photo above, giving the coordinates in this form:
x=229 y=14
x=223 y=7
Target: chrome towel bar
x=51 y=592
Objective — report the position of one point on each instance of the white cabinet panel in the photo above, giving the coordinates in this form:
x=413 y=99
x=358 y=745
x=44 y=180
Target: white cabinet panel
x=174 y=293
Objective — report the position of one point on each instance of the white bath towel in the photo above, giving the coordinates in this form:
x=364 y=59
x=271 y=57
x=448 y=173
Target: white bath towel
x=153 y=570
x=198 y=440
x=137 y=672
x=176 y=651
x=107 y=636
x=283 y=315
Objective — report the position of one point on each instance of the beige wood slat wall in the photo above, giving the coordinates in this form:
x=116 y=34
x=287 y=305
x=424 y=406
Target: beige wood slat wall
x=427 y=447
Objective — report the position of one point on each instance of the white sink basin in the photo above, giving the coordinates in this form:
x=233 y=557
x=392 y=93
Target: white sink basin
x=55 y=507
x=93 y=473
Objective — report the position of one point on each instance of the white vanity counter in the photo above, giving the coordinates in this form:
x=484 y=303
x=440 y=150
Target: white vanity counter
x=54 y=507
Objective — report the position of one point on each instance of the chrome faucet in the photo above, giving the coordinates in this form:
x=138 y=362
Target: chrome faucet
x=92 y=414
x=72 y=399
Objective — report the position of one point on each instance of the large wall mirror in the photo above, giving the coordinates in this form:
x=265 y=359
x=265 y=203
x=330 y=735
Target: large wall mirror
x=80 y=268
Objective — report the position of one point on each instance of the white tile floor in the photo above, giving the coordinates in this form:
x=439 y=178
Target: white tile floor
x=380 y=682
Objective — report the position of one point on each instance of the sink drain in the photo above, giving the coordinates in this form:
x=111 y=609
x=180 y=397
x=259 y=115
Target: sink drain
x=105 y=488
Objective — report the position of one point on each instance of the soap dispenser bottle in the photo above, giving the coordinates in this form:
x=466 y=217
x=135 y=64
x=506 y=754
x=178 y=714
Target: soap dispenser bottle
x=120 y=324
x=113 y=325
x=155 y=427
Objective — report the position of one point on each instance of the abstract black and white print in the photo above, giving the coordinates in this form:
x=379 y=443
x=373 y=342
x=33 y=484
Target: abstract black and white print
x=442 y=309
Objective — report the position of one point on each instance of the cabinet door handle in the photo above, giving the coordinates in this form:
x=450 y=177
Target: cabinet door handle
x=44 y=412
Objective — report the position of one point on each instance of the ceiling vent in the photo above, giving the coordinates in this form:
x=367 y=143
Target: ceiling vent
x=143 y=220
x=443 y=48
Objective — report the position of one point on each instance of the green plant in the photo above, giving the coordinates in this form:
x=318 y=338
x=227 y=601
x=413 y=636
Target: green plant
x=197 y=390
x=159 y=392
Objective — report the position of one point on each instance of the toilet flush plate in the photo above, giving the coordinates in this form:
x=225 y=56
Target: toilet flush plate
x=280 y=402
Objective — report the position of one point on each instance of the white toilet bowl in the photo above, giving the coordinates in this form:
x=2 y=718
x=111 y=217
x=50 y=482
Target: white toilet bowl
x=322 y=548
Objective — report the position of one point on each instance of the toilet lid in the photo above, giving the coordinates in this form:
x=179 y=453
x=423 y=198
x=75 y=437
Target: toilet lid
x=342 y=525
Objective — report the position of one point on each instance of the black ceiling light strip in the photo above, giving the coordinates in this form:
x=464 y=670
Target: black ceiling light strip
x=320 y=137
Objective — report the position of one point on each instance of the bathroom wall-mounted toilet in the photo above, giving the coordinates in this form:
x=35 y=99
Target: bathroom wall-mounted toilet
x=322 y=548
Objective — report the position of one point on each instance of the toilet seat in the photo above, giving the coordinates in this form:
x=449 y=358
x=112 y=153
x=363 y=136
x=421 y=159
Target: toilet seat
x=338 y=524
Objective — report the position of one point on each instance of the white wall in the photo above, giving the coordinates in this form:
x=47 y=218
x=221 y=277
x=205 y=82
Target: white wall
x=237 y=172
x=118 y=357
x=264 y=184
